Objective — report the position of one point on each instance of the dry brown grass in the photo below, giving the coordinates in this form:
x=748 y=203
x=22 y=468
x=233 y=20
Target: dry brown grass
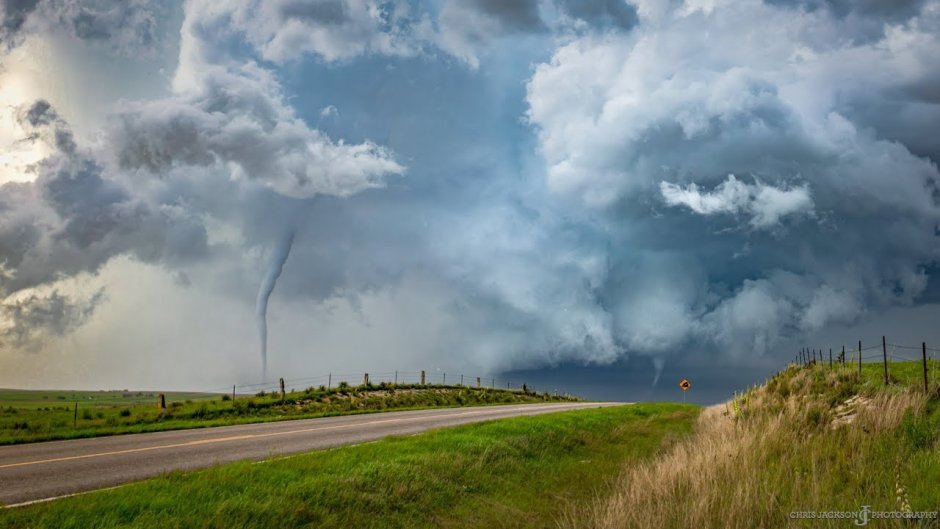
x=752 y=468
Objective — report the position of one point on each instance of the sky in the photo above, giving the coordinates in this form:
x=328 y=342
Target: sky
x=600 y=196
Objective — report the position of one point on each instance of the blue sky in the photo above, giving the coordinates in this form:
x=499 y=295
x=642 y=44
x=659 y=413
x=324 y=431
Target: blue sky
x=545 y=187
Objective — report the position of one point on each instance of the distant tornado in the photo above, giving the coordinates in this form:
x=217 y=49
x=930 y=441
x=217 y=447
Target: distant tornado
x=278 y=258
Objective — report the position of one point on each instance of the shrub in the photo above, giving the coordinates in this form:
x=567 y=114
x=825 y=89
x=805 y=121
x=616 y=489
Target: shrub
x=226 y=398
x=125 y=412
x=86 y=414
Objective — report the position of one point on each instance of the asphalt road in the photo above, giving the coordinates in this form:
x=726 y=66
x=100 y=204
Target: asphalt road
x=41 y=471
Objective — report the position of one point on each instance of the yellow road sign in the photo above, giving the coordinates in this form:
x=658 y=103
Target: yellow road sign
x=685 y=384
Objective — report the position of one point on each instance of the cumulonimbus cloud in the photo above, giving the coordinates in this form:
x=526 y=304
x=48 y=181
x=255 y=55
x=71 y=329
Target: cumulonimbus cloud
x=623 y=117
x=626 y=237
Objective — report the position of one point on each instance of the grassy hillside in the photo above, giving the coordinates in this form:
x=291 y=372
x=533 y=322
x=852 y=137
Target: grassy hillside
x=813 y=438
x=522 y=472
x=28 y=416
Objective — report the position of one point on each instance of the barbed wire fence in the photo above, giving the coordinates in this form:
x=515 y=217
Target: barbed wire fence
x=390 y=379
x=884 y=353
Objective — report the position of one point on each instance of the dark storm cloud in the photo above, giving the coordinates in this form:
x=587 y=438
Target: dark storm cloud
x=325 y=12
x=13 y=14
x=601 y=13
x=893 y=11
x=74 y=219
x=125 y=26
x=520 y=15
x=772 y=187
x=33 y=319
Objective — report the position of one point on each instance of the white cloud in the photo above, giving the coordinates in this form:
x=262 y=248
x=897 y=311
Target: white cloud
x=230 y=112
x=765 y=204
x=282 y=30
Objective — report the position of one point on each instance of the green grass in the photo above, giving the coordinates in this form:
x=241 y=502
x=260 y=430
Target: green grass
x=29 y=416
x=38 y=399
x=811 y=439
x=521 y=472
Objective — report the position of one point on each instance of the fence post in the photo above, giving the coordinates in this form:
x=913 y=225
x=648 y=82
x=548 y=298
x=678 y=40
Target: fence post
x=493 y=383
x=884 y=350
x=161 y=404
x=843 y=355
x=445 y=379
x=461 y=380
x=233 y=394
x=859 y=359
x=329 y=380
x=365 y=379
x=422 y=377
x=478 y=381
x=75 y=417
x=283 y=393
x=924 y=351
x=830 y=358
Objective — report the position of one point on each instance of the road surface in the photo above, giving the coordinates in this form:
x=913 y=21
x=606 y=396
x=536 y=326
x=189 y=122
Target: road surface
x=42 y=471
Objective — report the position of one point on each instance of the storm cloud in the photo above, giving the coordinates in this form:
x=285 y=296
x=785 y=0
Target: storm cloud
x=128 y=27
x=499 y=185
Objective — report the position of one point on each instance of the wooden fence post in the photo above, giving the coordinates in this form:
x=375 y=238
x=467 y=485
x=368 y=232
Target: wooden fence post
x=884 y=350
x=461 y=380
x=445 y=379
x=859 y=359
x=365 y=379
x=283 y=393
x=843 y=355
x=830 y=358
x=329 y=380
x=422 y=377
x=75 y=417
x=924 y=352
x=162 y=403
x=478 y=381
x=233 y=394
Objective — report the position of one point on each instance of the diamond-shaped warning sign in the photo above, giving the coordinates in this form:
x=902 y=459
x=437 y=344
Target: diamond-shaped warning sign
x=685 y=384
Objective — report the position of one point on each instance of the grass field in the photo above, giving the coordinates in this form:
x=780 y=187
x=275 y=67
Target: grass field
x=39 y=399
x=521 y=472
x=812 y=439
x=29 y=416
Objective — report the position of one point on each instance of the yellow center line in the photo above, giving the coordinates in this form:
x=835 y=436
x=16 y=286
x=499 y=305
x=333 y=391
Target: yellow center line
x=249 y=436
